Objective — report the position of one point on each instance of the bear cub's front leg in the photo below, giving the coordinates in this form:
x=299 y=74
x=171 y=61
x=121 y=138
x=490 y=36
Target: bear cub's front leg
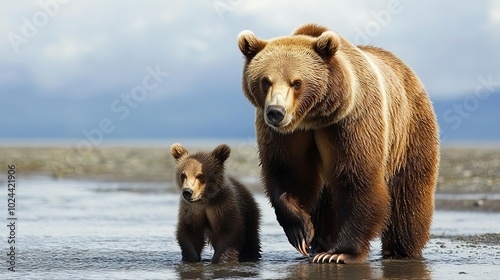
x=190 y=241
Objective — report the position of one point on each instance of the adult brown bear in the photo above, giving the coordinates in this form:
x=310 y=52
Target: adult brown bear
x=348 y=144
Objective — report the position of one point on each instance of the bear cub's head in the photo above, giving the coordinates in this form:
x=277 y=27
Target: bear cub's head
x=200 y=176
x=287 y=77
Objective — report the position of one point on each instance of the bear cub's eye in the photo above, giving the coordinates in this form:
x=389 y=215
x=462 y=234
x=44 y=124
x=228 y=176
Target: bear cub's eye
x=265 y=83
x=200 y=178
x=297 y=84
x=183 y=176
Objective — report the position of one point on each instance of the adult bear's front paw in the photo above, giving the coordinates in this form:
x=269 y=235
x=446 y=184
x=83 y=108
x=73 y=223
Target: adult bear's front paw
x=332 y=257
x=297 y=225
x=300 y=236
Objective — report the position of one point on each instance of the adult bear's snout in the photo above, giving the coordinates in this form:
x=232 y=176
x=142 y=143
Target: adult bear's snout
x=275 y=114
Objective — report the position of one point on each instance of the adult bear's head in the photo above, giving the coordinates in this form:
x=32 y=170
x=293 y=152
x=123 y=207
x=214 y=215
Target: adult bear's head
x=294 y=80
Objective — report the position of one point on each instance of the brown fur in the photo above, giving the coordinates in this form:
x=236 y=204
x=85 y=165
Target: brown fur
x=220 y=209
x=356 y=151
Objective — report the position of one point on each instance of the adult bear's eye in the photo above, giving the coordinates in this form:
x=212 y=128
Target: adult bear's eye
x=183 y=176
x=265 y=84
x=297 y=84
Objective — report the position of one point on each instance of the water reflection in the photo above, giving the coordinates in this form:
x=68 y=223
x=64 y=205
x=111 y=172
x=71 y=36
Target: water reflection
x=405 y=269
x=331 y=270
x=375 y=269
x=378 y=269
x=211 y=271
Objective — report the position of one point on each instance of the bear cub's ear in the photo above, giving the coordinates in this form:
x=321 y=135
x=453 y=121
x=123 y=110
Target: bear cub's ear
x=327 y=44
x=249 y=44
x=178 y=151
x=221 y=153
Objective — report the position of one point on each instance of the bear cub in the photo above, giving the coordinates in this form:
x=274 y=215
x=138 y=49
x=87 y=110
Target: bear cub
x=216 y=207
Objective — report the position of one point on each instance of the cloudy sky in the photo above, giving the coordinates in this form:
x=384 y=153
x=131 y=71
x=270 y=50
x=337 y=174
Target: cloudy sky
x=92 y=53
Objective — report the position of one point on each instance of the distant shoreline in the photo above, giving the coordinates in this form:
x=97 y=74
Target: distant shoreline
x=193 y=142
x=130 y=143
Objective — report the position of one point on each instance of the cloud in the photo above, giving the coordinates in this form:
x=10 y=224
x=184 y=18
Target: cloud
x=96 y=47
x=494 y=7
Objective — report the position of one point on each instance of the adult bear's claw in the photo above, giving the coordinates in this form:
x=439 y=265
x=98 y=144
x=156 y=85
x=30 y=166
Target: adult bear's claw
x=302 y=248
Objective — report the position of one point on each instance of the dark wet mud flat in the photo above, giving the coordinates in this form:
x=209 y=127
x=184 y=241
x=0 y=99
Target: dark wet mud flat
x=74 y=229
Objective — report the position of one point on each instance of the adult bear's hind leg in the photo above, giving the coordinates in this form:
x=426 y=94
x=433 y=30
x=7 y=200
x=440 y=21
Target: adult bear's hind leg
x=412 y=193
x=408 y=228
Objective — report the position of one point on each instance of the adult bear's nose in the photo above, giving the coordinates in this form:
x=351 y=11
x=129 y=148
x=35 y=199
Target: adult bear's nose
x=187 y=193
x=275 y=114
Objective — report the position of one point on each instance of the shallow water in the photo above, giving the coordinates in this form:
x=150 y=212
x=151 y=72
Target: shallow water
x=69 y=229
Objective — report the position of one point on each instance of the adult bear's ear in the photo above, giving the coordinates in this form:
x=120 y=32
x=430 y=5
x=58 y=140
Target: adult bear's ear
x=327 y=44
x=249 y=44
x=178 y=151
x=221 y=153
x=310 y=29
